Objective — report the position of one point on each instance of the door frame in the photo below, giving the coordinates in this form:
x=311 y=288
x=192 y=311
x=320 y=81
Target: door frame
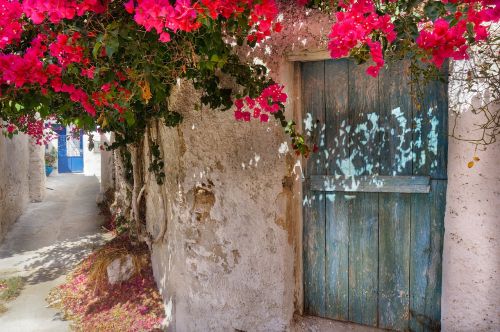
x=290 y=75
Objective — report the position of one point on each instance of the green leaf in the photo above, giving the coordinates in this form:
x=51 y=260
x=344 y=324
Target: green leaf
x=451 y=7
x=112 y=27
x=210 y=65
x=95 y=51
x=129 y=117
x=434 y=9
x=112 y=46
x=172 y=119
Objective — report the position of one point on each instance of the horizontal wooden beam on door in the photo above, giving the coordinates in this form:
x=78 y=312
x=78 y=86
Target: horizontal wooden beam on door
x=373 y=184
x=306 y=56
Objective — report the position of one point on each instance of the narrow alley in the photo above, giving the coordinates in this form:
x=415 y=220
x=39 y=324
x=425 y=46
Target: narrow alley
x=47 y=241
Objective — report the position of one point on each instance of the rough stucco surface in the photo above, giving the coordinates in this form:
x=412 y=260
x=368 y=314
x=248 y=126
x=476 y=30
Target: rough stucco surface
x=22 y=178
x=14 y=179
x=222 y=262
x=471 y=260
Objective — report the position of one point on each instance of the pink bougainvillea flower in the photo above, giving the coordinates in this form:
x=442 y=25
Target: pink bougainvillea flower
x=130 y=7
x=357 y=26
x=271 y=100
x=11 y=128
x=10 y=22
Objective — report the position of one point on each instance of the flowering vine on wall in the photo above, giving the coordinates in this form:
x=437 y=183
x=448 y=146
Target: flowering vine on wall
x=110 y=65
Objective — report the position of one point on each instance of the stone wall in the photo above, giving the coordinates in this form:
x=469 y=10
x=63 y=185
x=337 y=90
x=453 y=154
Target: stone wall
x=22 y=178
x=225 y=226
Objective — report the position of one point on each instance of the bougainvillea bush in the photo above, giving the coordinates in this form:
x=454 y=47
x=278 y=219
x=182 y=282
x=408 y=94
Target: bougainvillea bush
x=110 y=65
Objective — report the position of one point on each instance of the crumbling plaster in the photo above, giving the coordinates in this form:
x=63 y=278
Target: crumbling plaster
x=222 y=262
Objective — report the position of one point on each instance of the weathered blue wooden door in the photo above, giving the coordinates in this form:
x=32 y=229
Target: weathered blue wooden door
x=70 y=151
x=374 y=196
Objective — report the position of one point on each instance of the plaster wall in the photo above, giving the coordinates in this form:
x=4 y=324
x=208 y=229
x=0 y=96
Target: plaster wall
x=220 y=252
x=471 y=260
x=37 y=176
x=107 y=164
x=21 y=178
x=92 y=158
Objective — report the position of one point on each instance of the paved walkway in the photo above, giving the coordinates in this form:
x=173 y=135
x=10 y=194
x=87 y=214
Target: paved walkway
x=44 y=244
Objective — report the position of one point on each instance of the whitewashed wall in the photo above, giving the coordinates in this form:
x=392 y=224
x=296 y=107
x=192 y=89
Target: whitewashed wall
x=22 y=178
x=92 y=158
x=471 y=257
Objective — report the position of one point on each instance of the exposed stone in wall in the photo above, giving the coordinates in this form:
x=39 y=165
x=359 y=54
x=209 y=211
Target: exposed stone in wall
x=14 y=179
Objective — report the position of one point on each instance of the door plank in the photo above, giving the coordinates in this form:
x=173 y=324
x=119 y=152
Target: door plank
x=337 y=256
x=396 y=113
x=364 y=115
x=314 y=254
x=363 y=259
x=337 y=117
x=363 y=213
x=313 y=106
x=394 y=256
x=337 y=211
x=427 y=232
x=430 y=153
x=394 y=208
